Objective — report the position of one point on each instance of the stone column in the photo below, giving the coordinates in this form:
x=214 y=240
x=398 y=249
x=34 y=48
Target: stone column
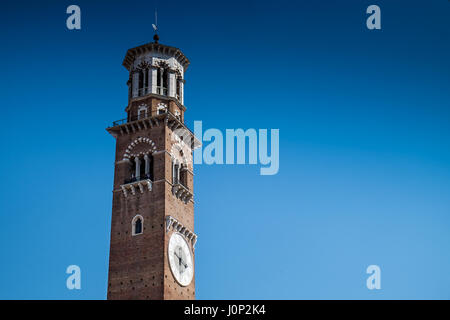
x=154 y=78
x=135 y=84
x=181 y=84
x=173 y=173
x=150 y=80
x=144 y=80
x=138 y=167
x=171 y=83
x=147 y=166
x=161 y=77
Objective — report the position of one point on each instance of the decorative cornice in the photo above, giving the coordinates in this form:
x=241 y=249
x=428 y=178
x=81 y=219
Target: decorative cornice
x=179 y=227
x=181 y=192
x=140 y=185
x=153 y=182
x=154 y=47
x=169 y=119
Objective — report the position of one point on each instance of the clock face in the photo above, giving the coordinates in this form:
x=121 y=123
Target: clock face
x=180 y=259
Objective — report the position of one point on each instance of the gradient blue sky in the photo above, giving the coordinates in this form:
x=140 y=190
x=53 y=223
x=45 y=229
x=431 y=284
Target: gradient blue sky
x=364 y=144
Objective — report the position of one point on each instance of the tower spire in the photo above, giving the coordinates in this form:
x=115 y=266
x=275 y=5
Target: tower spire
x=155 y=27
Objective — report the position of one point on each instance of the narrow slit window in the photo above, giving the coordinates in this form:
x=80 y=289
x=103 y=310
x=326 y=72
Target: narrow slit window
x=138 y=226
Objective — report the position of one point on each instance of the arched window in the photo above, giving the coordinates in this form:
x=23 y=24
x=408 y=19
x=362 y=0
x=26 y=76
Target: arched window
x=141 y=82
x=143 y=167
x=175 y=172
x=139 y=160
x=161 y=81
x=165 y=77
x=179 y=173
x=137 y=225
x=162 y=108
x=142 y=111
x=183 y=176
x=178 y=84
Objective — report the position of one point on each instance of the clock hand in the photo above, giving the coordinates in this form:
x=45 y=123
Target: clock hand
x=182 y=261
x=180 y=257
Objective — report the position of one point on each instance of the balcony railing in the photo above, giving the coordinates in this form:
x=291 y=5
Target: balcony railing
x=161 y=91
x=139 y=117
x=144 y=91
x=130 y=119
x=147 y=90
x=119 y=122
x=150 y=116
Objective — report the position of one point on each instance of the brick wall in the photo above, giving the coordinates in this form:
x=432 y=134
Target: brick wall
x=139 y=266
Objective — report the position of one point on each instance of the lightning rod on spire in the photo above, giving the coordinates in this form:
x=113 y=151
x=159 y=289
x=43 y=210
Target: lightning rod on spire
x=155 y=27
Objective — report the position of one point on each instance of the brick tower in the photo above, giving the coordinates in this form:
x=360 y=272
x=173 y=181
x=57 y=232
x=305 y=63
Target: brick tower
x=152 y=226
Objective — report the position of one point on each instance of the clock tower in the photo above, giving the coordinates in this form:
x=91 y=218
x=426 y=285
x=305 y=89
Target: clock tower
x=152 y=227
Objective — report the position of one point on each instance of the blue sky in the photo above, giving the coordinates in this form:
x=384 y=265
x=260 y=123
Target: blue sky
x=364 y=144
